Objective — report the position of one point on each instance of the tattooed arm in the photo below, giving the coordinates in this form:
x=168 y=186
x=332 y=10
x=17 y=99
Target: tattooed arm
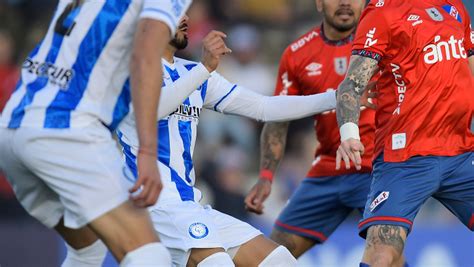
x=272 y=148
x=361 y=70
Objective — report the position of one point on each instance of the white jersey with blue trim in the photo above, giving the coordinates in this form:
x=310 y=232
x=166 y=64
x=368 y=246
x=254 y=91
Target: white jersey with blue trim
x=177 y=132
x=79 y=73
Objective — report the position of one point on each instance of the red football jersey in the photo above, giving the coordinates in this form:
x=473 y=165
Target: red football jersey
x=426 y=91
x=311 y=65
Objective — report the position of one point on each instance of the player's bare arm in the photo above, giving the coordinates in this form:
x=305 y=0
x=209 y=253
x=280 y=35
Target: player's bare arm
x=471 y=64
x=361 y=70
x=146 y=80
x=272 y=147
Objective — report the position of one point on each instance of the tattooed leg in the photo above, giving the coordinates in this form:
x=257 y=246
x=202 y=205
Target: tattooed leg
x=384 y=246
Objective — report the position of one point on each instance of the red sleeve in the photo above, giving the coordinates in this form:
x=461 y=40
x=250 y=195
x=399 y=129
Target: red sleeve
x=287 y=82
x=373 y=33
x=469 y=37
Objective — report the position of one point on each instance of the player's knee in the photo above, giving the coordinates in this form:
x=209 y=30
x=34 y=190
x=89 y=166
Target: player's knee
x=153 y=254
x=284 y=239
x=217 y=259
x=279 y=257
x=90 y=256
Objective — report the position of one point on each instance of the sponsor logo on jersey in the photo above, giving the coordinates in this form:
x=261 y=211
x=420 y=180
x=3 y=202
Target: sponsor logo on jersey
x=304 y=40
x=383 y=196
x=286 y=83
x=415 y=19
x=444 y=50
x=435 y=14
x=198 y=230
x=401 y=87
x=56 y=75
x=370 y=41
x=380 y=3
x=187 y=113
x=314 y=69
x=340 y=65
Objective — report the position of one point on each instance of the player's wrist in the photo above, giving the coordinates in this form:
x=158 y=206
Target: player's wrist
x=147 y=151
x=349 y=130
x=267 y=175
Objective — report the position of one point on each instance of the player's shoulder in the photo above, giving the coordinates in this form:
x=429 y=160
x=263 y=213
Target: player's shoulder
x=384 y=4
x=305 y=41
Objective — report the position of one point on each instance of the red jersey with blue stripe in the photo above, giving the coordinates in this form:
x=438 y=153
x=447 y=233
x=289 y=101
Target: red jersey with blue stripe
x=311 y=65
x=426 y=90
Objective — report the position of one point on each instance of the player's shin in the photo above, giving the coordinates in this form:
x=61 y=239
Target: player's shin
x=153 y=254
x=91 y=256
x=279 y=257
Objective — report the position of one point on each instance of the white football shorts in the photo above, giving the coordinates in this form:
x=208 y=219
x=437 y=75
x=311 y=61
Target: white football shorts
x=73 y=173
x=186 y=225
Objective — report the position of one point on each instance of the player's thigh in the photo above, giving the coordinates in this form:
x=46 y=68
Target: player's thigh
x=314 y=210
x=124 y=229
x=356 y=188
x=76 y=238
x=384 y=245
x=457 y=188
x=82 y=166
x=398 y=190
x=197 y=255
x=34 y=195
x=254 y=251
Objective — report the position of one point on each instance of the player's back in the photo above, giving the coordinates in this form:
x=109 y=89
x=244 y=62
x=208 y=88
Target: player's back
x=426 y=98
x=79 y=72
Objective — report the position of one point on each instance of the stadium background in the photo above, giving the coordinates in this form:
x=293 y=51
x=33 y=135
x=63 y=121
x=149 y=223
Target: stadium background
x=227 y=151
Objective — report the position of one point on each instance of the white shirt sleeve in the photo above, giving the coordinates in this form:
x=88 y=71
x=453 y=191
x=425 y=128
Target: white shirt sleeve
x=234 y=99
x=167 y=11
x=173 y=94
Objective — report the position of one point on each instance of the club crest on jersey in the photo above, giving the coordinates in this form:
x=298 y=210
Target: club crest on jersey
x=340 y=65
x=435 y=14
x=453 y=12
x=314 y=69
x=198 y=230
x=383 y=196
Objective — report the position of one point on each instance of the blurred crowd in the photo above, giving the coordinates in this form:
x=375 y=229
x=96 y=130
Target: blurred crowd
x=227 y=151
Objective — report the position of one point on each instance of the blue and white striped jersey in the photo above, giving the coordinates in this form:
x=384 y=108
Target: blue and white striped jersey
x=177 y=132
x=79 y=73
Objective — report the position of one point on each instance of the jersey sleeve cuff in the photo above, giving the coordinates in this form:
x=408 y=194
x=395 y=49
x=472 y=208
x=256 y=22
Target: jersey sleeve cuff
x=366 y=53
x=160 y=15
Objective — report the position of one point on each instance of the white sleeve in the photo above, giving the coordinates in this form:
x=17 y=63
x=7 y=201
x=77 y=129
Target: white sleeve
x=247 y=103
x=167 y=11
x=219 y=91
x=173 y=94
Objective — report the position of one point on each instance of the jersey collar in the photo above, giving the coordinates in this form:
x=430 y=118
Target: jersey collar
x=341 y=42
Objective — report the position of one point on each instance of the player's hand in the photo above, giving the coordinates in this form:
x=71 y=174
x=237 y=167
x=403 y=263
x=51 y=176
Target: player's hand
x=257 y=195
x=369 y=94
x=350 y=150
x=213 y=48
x=146 y=190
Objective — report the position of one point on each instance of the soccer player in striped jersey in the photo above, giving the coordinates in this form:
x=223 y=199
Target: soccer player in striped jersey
x=56 y=145
x=198 y=235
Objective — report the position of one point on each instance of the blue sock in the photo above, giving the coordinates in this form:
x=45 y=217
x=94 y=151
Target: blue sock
x=406 y=265
x=363 y=265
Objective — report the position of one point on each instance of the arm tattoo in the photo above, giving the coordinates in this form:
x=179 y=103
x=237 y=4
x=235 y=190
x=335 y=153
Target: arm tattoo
x=272 y=147
x=361 y=69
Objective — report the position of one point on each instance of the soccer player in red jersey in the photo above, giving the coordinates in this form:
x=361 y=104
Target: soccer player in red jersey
x=423 y=144
x=315 y=63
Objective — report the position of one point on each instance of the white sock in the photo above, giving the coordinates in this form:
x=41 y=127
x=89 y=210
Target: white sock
x=279 y=257
x=91 y=256
x=149 y=255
